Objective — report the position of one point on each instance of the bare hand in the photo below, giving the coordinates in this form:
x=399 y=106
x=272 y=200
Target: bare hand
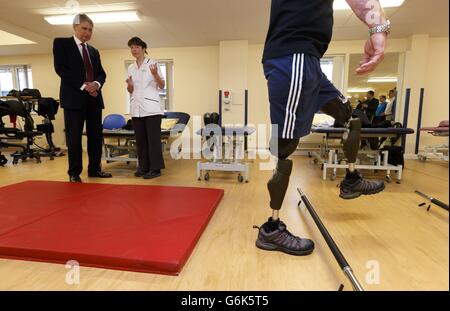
x=129 y=81
x=154 y=69
x=373 y=53
x=91 y=87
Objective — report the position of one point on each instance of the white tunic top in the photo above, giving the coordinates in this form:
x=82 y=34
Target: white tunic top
x=145 y=100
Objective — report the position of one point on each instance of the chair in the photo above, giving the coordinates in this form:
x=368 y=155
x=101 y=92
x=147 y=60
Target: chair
x=16 y=107
x=114 y=122
x=183 y=120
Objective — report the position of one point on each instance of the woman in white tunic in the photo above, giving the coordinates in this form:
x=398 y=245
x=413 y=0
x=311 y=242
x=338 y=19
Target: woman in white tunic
x=143 y=83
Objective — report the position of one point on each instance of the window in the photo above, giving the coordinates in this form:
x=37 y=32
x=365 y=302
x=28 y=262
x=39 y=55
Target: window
x=165 y=94
x=333 y=67
x=327 y=67
x=16 y=77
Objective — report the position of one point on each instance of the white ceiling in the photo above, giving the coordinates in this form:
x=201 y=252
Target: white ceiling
x=168 y=23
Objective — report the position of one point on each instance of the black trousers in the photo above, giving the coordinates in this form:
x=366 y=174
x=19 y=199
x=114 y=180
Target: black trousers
x=74 y=124
x=147 y=131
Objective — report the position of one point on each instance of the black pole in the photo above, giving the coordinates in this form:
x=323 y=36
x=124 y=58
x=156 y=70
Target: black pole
x=405 y=117
x=246 y=119
x=419 y=121
x=220 y=107
x=331 y=244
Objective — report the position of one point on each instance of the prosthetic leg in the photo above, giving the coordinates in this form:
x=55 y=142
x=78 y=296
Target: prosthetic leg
x=273 y=235
x=353 y=185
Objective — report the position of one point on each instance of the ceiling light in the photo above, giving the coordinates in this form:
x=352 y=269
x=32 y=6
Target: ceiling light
x=342 y=4
x=356 y=90
x=383 y=80
x=97 y=18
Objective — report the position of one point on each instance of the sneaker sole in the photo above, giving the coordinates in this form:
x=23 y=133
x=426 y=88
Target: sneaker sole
x=357 y=194
x=272 y=247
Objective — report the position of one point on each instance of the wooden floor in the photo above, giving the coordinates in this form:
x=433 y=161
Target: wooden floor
x=388 y=233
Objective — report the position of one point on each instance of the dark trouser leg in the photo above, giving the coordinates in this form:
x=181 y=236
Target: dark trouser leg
x=73 y=124
x=278 y=184
x=341 y=111
x=94 y=132
x=153 y=128
x=142 y=144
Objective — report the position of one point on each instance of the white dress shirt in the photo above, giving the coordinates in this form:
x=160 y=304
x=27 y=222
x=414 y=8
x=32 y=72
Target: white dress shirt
x=388 y=111
x=80 y=48
x=145 y=100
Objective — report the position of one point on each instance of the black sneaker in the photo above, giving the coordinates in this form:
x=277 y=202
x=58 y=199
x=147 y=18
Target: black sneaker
x=282 y=240
x=354 y=185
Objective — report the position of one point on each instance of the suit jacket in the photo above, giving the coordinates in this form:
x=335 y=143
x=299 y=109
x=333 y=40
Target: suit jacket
x=372 y=106
x=69 y=66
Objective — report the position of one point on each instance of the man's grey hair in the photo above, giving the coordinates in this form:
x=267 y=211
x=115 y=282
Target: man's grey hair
x=81 y=18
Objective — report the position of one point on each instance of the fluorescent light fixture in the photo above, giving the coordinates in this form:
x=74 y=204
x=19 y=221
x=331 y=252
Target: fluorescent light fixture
x=383 y=80
x=97 y=17
x=356 y=90
x=342 y=4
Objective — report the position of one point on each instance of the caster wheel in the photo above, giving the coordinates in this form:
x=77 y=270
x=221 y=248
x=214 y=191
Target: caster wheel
x=321 y=167
x=15 y=162
x=128 y=162
x=3 y=160
x=240 y=178
x=52 y=158
x=107 y=162
x=333 y=177
x=315 y=161
x=206 y=177
x=389 y=179
x=199 y=179
x=38 y=161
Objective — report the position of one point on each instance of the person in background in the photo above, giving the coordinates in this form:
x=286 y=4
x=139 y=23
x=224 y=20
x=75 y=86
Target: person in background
x=143 y=83
x=389 y=112
x=381 y=106
x=372 y=105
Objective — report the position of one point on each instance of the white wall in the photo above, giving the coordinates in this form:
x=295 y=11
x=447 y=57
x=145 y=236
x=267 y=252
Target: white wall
x=197 y=76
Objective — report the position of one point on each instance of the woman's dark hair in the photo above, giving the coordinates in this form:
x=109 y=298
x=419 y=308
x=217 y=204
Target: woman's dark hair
x=138 y=42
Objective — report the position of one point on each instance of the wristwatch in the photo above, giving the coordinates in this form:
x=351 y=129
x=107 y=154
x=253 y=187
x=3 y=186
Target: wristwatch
x=386 y=28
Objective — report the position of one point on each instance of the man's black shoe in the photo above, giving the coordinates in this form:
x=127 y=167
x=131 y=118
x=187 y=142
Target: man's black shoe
x=100 y=174
x=152 y=174
x=75 y=179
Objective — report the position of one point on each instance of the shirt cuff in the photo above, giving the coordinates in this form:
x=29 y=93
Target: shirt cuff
x=99 y=85
x=83 y=87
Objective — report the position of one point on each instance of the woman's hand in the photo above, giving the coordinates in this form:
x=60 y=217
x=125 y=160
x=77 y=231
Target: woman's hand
x=130 y=85
x=154 y=70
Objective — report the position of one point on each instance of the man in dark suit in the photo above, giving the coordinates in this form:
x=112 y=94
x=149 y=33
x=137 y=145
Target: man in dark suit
x=82 y=78
x=372 y=105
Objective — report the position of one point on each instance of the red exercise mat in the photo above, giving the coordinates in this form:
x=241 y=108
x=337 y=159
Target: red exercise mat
x=126 y=227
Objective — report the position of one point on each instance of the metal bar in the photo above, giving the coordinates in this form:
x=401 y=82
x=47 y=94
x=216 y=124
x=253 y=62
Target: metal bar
x=405 y=117
x=220 y=108
x=433 y=200
x=331 y=244
x=419 y=121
